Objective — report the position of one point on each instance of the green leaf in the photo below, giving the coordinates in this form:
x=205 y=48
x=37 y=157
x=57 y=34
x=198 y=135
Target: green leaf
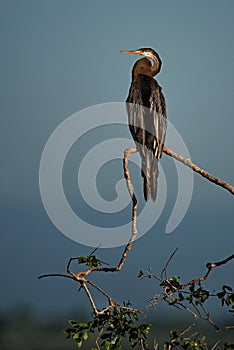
x=175 y=278
x=82 y=259
x=220 y=295
x=82 y=326
x=79 y=343
x=181 y=297
x=228 y=300
x=107 y=345
x=86 y=335
x=115 y=340
x=92 y=261
x=76 y=335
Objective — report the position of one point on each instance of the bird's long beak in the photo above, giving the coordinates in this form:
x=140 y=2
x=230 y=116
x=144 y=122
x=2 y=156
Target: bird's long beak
x=137 y=52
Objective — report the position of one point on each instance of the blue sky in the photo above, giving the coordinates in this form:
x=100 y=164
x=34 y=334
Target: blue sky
x=58 y=57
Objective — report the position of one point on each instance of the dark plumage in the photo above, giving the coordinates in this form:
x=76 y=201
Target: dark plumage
x=147 y=117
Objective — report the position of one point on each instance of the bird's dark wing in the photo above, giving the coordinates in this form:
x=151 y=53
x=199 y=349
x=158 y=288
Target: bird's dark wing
x=158 y=109
x=147 y=123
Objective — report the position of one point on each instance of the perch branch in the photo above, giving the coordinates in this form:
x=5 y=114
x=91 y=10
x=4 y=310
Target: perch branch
x=198 y=170
x=127 y=153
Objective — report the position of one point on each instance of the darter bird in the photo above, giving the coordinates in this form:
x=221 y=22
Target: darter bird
x=147 y=116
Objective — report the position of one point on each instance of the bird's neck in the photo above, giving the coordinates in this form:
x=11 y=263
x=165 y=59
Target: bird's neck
x=144 y=66
x=156 y=67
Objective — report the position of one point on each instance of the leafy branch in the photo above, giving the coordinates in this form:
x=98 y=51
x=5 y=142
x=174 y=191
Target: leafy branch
x=111 y=328
x=191 y=293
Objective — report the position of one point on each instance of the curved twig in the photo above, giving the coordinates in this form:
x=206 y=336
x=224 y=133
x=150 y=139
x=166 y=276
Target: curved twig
x=55 y=275
x=80 y=276
x=210 y=267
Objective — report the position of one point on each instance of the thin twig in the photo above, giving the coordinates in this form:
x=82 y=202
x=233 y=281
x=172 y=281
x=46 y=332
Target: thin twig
x=186 y=330
x=164 y=270
x=55 y=275
x=155 y=344
x=99 y=337
x=215 y=345
x=111 y=301
x=90 y=298
x=198 y=170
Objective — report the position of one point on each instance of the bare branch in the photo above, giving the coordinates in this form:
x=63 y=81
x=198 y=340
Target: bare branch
x=55 y=275
x=215 y=345
x=164 y=270
x=219 y=263
x=111 y=301
x=90 y=298
x=210 y=267
x=198 y=170
x=127 y=153
x=188 y=329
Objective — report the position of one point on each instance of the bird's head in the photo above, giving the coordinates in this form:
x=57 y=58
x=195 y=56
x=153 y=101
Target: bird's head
x=146 y=52
x=149 y=53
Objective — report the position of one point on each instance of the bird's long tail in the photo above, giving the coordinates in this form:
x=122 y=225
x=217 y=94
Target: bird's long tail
x=149 y=171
